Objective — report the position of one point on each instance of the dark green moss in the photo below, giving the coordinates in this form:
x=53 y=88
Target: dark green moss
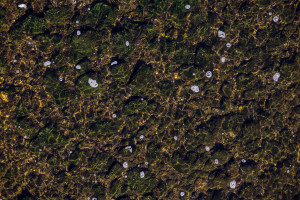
x=59 y=16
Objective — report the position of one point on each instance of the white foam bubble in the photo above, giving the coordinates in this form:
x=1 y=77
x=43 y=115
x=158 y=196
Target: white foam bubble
x=142 y=174
x=208 y=74
x=114 y=63
x=195 y=88
x=127 y=43
x=221 y=34
x=22 y=5
x=93 y=83
x=182 y=194
x=223 y=59
x=187 y=7
x=275 y=19
x=233 y=184
x=125 y=165
x=207 y=148
x=276 y=76
x=129 y=148
x=47 y=63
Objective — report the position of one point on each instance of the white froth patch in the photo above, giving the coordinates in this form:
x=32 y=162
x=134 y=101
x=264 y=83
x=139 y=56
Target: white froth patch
x=93 y=83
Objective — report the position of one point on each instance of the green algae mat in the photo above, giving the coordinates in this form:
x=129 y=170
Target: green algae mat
x=149 y=99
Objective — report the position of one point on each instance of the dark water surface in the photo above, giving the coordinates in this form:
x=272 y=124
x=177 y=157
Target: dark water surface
x=149 y=99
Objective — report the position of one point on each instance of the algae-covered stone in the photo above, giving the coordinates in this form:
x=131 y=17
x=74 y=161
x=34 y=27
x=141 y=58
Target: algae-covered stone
x=153 y=152
x=154 y=8
x=90 y=84
x=57 y=88
x=117 y=188
x=120 y=73
x=59 y=16
x=122 y=40
x=48 y=137
x=99 y=161
x=183 y=162
x=84 y=45
x=47 y=41
x=99 y=191
x=100 y=16
x=223 y=156
x=136 y=106
x=3 y=20
x=142 y=79
x=141 y=184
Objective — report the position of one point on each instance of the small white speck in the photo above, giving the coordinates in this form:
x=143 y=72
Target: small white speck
x=61 y=79
x=114 y=115
x=141 y=137
x=187 y=7
x=175 y=137
x=208 y=74
x=125 y=165
x=94 y=174
x=125 y=176
x=40 y=149
x=77 y=21
x=223 y=132
x=275 y=19
x=270 y=13
x=82 y=177
x=93 y=83
x=114 y=63
x=142 y=99
x=207 y=148
x=243 y=160
x=25 y=137
x=19 y=126
x=293 y=135
x=194 y=74
x=276 y=76
x=195 y=88
x=216 y=161
x=182 y=194
x=17 y=71
x=221 y=34
x=228 y=45
x=142 y=174
x=222 y=112
x=15 y=60
x=223 y=59
x=96 y=181
x=78 y=32
x=287 y=171
x=139 y=165
x=94 y=198
x=233 y=184
x=34 y=160
x=146 y=163
x=89 y=8
x=47 y=63
x=127 y=43
x=78 y=67
x=129 y=148
x=22 y=5
x=71 y=152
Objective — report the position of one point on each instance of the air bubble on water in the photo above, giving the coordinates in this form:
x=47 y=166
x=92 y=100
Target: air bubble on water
x=207 y=148
x=221 y=34
x=142 y=174
x=195 y=88
x=93 y=83
x=125 y=165
x=208 y=74
x=187 y=7
x=233 y=184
